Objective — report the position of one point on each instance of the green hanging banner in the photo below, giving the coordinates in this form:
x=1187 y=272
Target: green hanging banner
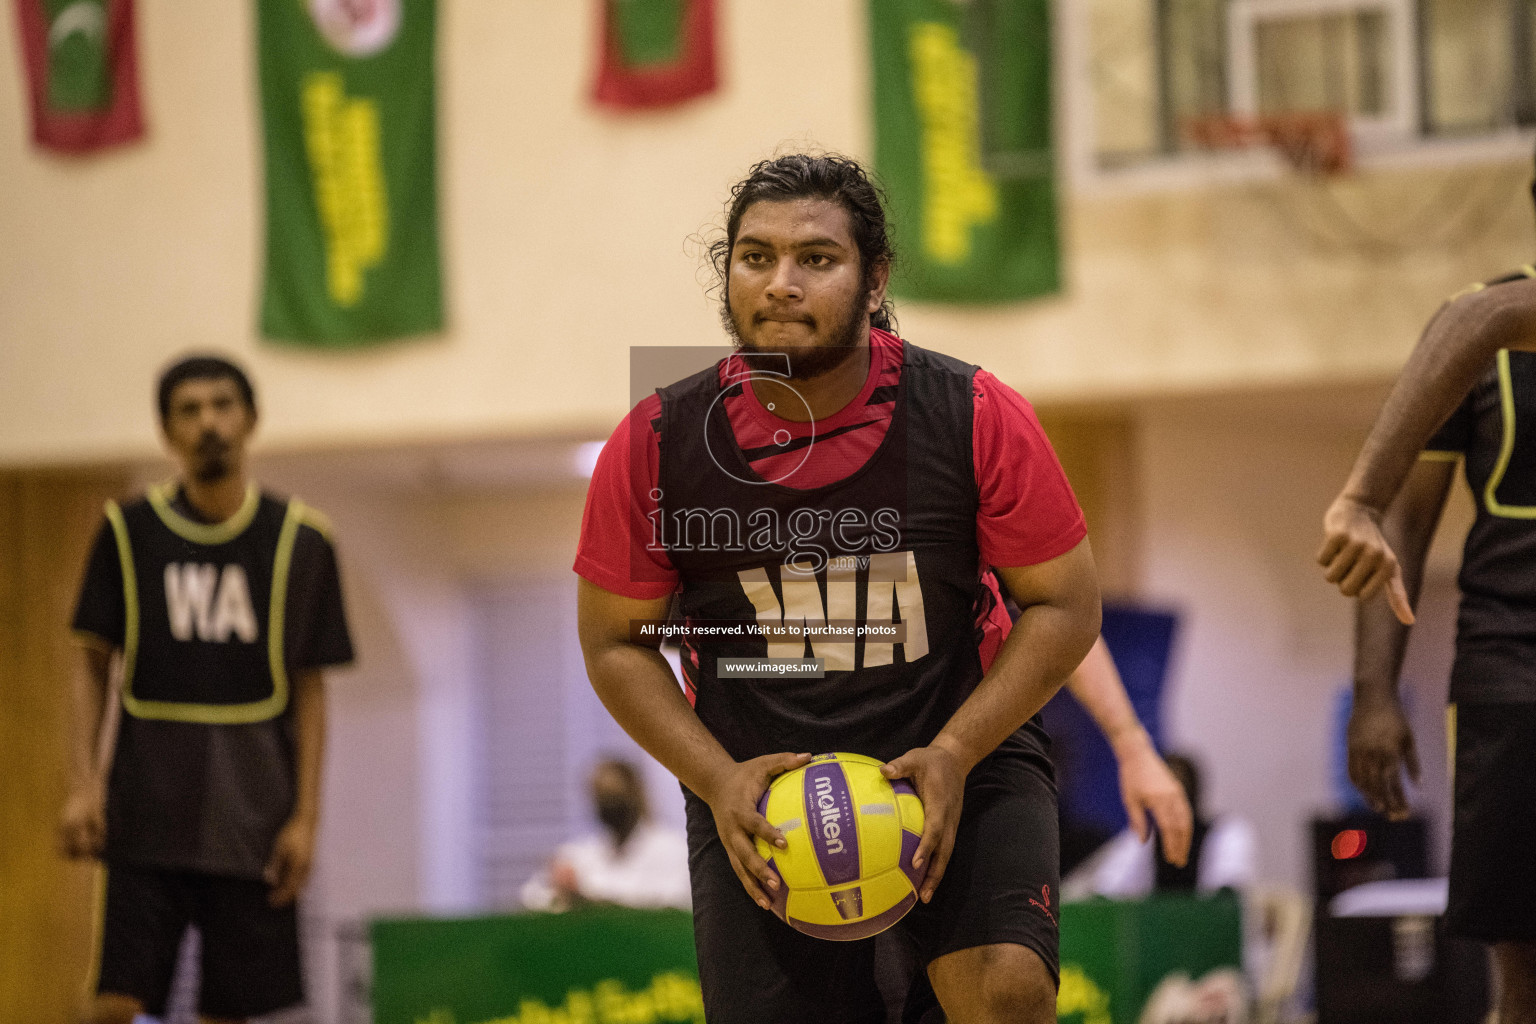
x=963 y=146
x=349 y=109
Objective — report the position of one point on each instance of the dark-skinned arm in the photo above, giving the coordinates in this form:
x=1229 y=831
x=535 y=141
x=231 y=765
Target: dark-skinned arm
x=293 y=852
x=1380 y=741
x=1054 y=632
x=82 y=824
x=1455 y=349
x=1147 y=787
x=637 y=686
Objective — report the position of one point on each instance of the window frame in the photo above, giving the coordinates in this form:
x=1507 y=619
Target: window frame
x=1401 y=125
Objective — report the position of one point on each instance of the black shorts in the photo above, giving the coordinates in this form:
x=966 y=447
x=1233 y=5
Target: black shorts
x=250 y=961
x=1493 y=842
x=1000 y=886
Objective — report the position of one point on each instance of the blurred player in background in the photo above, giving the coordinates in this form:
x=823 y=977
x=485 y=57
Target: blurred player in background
x=633 y=862
x=1222 y=854
x=1467 y=393
x=1151 y=792
x=224 y=604
x=858 y=446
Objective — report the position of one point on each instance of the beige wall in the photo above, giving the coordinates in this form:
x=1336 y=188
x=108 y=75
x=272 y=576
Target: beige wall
x=1234 y=490
x=566 y=238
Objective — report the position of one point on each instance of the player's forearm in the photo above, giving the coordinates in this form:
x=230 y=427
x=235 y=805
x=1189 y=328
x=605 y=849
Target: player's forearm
x=1048 y=641
x=1409 y=527
x=309 y=730
x=1453 y=352
x=1097 y=686
x=89 y=683
x=637 y=686
x=1380 y=641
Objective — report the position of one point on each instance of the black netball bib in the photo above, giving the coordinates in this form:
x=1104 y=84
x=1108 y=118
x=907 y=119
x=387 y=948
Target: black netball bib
x=205 y=609
x=869 y=588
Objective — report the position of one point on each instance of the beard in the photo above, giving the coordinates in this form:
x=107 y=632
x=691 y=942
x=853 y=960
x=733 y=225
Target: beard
x=213 y=462
x=807 y=362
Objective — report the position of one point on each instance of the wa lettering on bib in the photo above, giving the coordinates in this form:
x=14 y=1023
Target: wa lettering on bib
x=889 y=590
x=211 y=605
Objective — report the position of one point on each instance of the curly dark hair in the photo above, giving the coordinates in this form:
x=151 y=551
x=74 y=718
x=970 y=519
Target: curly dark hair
x=808 y=176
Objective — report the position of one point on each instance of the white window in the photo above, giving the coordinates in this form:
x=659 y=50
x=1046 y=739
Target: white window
x=1413 y=79
x=1358 y=58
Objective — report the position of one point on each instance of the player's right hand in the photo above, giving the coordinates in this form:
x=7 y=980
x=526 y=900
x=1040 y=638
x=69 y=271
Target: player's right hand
x=1357 y=558
x=1149 y=789
x=83 y=823
x=733 y=799
x=1380 y=744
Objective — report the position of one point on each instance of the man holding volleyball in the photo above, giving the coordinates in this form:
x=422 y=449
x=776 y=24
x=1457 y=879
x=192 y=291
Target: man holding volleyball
x=831 y=473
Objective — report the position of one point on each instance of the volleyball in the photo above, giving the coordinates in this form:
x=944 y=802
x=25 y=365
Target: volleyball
x=847 y=872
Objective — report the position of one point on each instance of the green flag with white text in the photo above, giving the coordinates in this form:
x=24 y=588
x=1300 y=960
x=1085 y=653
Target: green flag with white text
x=349 y=110
x=963 y=146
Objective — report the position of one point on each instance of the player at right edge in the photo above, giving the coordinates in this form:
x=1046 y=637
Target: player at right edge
x=1467 y=393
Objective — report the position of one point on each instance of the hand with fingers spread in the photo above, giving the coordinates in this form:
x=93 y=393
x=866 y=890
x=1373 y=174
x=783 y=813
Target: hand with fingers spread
x=1148 y=788
x=1357 y=558
x=733 y=799
x=938 y=775
x=1380 y=746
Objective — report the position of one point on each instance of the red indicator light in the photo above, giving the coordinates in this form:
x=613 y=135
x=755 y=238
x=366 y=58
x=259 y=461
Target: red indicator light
x=1349 y=844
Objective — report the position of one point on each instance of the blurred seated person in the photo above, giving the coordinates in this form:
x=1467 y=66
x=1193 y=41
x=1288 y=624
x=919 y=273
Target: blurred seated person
x=632 y=862
x=1222 y=855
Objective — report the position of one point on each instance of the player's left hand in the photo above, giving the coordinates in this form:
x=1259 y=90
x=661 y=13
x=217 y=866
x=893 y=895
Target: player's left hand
x=1148 y=788
x=292 y=856
x=938 y=775
x=1380 y=747
x=1357 y=558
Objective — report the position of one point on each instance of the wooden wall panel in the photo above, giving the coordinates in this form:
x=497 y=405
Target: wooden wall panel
x=47 y=904
x=1098 y=453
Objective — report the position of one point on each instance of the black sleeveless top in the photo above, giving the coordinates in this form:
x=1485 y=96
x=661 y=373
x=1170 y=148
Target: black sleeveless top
x=882 y=567
x=1494 y=428
x=206 y=609
x=212 y=619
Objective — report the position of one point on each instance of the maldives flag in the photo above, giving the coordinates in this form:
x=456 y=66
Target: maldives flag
x=83 y=72
x=656 y=52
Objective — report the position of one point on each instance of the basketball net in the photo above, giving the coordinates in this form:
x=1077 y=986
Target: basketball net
x=1313 y=142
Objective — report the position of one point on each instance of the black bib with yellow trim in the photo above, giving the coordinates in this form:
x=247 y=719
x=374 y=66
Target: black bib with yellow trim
x=1494 y=429
x=205 y=609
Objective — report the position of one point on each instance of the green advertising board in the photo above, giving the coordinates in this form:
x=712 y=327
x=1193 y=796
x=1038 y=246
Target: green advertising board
x=618 y=966
x=599 y=966
x=1114 y=953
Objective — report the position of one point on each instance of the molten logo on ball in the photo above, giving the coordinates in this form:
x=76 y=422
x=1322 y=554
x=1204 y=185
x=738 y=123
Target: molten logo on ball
x=847 y=873
x=829 y=804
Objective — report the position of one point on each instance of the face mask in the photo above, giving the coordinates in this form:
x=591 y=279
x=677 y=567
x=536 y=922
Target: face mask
x=617 y=814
